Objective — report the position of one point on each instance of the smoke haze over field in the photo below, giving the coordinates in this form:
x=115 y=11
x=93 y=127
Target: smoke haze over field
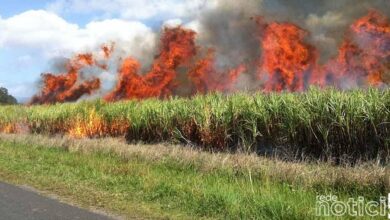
x=234 y=42
x=228 y=27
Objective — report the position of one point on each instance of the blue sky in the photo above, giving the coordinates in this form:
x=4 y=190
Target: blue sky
x=34 y=32
x=9 y=7
x=11 y=74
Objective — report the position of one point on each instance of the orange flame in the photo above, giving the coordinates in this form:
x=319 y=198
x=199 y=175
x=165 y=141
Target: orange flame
x=373 y=33
x=177 y=49
x=206 y=78
x=287 y=63
x=65 y=87
x=286 y=57
x=95 y=126
x=364 y=56
x=107 y=50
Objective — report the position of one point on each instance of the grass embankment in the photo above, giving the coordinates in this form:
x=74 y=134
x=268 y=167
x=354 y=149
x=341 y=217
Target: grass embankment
x=321 y=123
x=167 y=181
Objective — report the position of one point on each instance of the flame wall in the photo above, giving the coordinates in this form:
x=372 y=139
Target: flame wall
x=236 y=49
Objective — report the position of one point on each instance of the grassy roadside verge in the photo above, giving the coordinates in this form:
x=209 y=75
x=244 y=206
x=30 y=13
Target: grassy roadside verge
x=166 y=181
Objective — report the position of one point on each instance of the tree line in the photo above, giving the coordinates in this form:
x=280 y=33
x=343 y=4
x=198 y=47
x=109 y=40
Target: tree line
x=6 y=98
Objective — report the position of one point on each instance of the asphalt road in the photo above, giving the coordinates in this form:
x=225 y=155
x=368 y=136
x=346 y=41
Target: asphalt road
x=18 y=204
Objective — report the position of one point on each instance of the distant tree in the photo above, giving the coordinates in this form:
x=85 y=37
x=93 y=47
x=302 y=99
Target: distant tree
x=6 y=98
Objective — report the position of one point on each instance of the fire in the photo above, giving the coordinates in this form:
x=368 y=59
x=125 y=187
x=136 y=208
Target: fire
x=66 y=87
x=286 y=58
x=291 y=64
x=364 y=56
x=287 y=63
x=8 y=128
x=177 y=48
x=14 y=128
x=206 y=78
x=373 y=33
x=93 y=125
x=107 y=50
x=84 y=59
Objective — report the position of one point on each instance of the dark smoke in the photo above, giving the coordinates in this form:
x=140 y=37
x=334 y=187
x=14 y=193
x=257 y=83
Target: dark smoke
x=228 y=27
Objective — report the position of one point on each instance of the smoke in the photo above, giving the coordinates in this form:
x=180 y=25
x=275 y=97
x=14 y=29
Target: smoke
x=228 y=26
x=269 y=45
x=229 y=29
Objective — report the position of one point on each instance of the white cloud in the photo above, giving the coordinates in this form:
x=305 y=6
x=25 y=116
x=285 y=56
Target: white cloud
x=132 y=9
x=43 y=34
x=51 y=35
x=173 y=22
x=35 y=28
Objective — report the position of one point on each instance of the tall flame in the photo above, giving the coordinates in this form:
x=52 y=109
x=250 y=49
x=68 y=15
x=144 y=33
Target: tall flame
x=66 y=87
x=287 y=63
x=364 y=56
x=177 y=48
x=286 y=58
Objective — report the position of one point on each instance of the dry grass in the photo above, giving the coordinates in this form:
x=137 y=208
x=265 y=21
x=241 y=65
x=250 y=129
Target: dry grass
x=307 y=174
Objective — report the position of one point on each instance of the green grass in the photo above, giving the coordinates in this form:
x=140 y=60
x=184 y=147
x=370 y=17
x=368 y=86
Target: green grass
x=138 y=186
x=323 y=123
